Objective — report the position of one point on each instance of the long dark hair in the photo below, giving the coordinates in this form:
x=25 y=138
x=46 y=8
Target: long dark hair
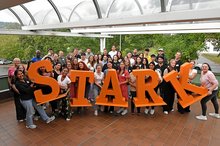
x=16 y=73
x=17 y=68
x=208 y=66
x=29 y=64
x=119 y=69
x=143 y=66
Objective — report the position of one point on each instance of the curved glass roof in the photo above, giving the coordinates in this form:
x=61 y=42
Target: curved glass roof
x=84 y=14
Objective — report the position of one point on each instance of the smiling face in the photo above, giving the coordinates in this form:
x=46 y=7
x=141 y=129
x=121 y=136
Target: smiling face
x=75 y=61
x=68 y=65
x=109 y=65
x=65 y=71
x=122 y=65
x=91 y=58
x=58 y=66
x=151 y=66
x=193 y=63
x=173 y=63
x=20 y=75
x=138 y=60
x=81 y=66
x=205 y=68
x=98 y=68
x=16 y=61
x=21 y=68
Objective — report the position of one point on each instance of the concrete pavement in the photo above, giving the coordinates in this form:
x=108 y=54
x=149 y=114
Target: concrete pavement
x=214 y=66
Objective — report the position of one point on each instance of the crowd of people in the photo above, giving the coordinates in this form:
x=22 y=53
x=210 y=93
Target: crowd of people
x=23 y=88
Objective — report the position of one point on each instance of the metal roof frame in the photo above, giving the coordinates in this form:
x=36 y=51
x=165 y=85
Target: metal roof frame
x=16 y=15
x=29 y=13
x=168 y=17
x=52 y=33
x=56 y=10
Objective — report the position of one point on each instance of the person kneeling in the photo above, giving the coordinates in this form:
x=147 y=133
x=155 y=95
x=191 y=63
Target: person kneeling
x=26 y=92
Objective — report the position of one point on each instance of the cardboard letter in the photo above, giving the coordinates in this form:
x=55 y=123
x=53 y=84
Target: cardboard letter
x=141 y=87
x=102 y=99
x=182 y=84
x=80 y=100
x=34 y=76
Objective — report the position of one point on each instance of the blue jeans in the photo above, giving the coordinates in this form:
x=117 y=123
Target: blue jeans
x=96 y=92
x=29 y=105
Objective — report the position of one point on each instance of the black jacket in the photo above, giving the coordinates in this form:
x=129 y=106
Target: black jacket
x=25 y=90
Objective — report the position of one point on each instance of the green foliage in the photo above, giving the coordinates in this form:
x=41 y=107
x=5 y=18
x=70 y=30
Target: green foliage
x=188 y=44
x=24 y=46
x=8 y=46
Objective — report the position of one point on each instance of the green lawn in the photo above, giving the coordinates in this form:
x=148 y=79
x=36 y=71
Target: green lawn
x=212 y=57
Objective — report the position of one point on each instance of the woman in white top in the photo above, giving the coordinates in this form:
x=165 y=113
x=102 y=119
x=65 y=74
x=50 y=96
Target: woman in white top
x=192 y=71
x=99 y=76
x=91 y=63
x=64 y=83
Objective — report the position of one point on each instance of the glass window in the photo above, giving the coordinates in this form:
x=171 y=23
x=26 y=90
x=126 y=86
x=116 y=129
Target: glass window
x=179 y=5
x=42 y=11
x=84 y=11
x=123 y=8
x=7 y=16
x=22 y=14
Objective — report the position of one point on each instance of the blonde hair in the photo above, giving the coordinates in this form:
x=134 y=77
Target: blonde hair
x=16 y=59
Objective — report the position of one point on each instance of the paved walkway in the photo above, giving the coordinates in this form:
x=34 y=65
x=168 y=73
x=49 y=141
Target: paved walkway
x=214 y=66
x=109 y=130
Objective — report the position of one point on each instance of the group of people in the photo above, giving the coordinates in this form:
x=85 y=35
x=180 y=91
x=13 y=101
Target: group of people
x=23 y=88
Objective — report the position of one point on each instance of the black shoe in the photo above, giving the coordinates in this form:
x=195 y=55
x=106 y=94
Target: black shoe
x=187 y=111
x=181 y=112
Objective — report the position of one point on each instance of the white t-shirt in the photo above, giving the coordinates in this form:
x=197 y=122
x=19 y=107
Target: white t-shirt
x=85 y=61
x=65 y=82
x=112 y=53
x=99 y=77
x=132 y=61
x=192 y=72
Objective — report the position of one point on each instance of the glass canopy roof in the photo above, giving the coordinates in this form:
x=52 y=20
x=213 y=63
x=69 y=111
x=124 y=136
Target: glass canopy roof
x=84 y=14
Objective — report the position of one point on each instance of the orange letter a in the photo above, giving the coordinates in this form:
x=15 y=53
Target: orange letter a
x=115 y=91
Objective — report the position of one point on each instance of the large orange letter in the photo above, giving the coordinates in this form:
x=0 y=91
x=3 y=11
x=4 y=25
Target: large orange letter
x=34 y=76
x=141 y=87
x=80 y=100
x=115 y=91
x=182 y=84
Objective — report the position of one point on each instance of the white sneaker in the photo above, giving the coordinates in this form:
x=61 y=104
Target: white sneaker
x=172 y=110
x=20 y=121
x=146 y=111
x=214 y=115
x=50 y=119
x=36 y=118
x=120 y=110
x=165 y=112
x=152 y=111
x=67 y=119
x=201 y=117
x=124 y=112
x=96 y=112
x=31 y=126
